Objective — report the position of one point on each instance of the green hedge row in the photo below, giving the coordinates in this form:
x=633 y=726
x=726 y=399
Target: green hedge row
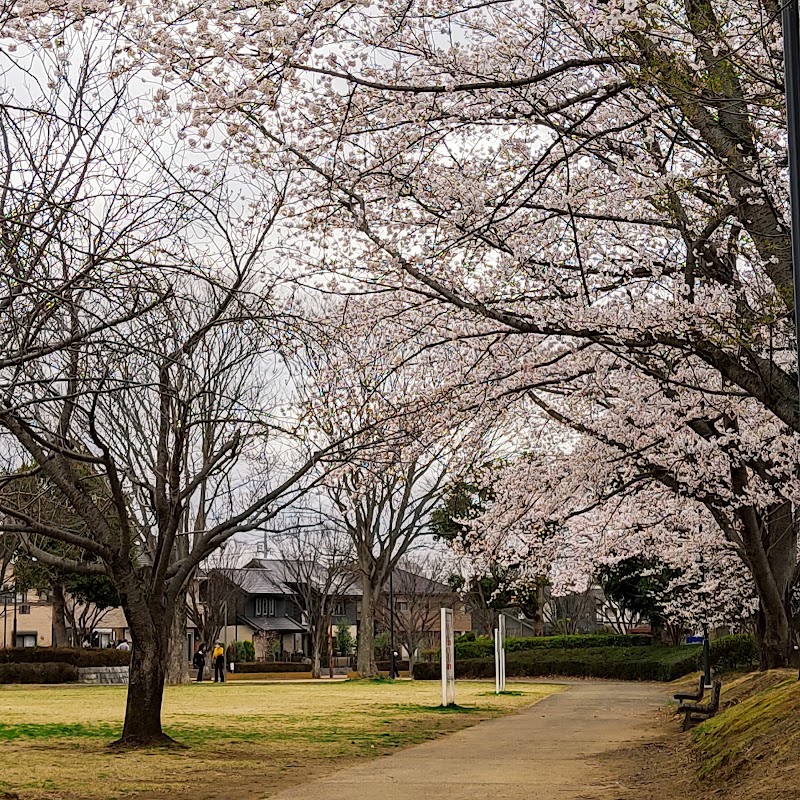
x=732 y=652
x=267 y=666
x=483 y=646
x=619 y=663
x=38 y=673
x=75 y=656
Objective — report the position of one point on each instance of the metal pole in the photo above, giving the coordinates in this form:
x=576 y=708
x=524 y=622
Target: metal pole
x=330 y=649
x=393 y=668
x=14 y=626
x=225 y=638
x=791 y=65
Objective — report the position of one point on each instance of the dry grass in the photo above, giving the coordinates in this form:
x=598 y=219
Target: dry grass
x=246 y=740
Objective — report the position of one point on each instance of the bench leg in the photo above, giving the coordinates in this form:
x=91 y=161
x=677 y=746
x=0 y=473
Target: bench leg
x=687 y=720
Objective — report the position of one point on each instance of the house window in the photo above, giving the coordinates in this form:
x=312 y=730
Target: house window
x=26 y=640
x=24 y=609
x=265 y=606
x=402 y=605
x=339 y=609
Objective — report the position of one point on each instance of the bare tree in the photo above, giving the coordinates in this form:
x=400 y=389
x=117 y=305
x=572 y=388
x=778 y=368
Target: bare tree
x=214 y=593
x=318 y=565
x=142 y=333
x=413 y=607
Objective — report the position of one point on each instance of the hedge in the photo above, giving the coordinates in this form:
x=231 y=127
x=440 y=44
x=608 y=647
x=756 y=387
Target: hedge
x=619 y=663
x=483 y=646
x=730 y=652
x=75 y=656
x=38 y=673
x=272 y=666
x=385 y=666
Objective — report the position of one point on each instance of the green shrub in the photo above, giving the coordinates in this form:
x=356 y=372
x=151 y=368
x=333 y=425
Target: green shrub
x=17 y=672
x=241 y=652
x=479 y=647
x=385 y=666
x=76 y=656
x=267 y=666
x=730 y=652
x=382 y=646
x=620 y=663
x=483 y=646
x=343 y=642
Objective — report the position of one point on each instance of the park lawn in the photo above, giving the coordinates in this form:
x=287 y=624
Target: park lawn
x=243 y=739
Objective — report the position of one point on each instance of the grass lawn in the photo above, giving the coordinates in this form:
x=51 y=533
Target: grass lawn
x=244 y=740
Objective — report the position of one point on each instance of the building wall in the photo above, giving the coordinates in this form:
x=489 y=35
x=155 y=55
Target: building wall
x=38 y=620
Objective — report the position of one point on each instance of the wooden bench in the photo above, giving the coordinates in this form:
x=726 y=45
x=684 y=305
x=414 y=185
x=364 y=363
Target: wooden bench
x=700 y=711
x=693 y=697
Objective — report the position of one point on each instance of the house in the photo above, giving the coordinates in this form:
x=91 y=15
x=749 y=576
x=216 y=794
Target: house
x=271 y=613
x=27 y=618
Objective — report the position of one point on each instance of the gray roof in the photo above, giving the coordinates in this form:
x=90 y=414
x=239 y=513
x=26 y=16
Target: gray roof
x=276 y=576
x=280 y=624
x=258 y=581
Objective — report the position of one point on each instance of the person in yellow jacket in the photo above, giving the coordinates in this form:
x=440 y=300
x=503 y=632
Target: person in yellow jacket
x=218 y=659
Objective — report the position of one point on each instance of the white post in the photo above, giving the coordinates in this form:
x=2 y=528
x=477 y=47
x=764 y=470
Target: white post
x=443 y=651
x=502 y=652
x=448 y=658
x=497 y=688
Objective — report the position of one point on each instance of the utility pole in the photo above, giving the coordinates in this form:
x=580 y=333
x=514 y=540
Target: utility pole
x=790 y=20
x=791 y=66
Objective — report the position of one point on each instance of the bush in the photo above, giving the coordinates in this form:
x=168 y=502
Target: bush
x=75 y=656
x=483 y=646
x=385 y=666
x=620 y=663
x=241 y=652
x=20 y=672
x=277 y=666
x=730 y=652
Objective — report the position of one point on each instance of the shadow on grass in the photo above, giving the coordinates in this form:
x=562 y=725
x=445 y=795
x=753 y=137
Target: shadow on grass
x=451 y=709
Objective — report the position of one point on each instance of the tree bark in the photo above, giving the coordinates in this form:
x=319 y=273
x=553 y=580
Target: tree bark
x=177 y=662
x=146 y=689
x=365 y=662
x=316 y=654
x=769 y=541
x=59 y=624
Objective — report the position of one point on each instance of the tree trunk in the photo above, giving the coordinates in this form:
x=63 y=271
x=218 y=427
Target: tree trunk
x=770 y=544
x=365 y=662
x=146 y=689
x=59 y=625
x=177 y=662
x=316 y=654
x=411 y=661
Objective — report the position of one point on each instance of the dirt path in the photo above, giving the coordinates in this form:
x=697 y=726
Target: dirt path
x=546 y=752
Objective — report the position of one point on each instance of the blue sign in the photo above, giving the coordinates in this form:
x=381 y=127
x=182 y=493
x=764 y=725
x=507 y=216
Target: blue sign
x=694 y=640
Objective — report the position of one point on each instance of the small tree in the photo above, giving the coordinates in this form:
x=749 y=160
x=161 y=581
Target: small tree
x=343 y=642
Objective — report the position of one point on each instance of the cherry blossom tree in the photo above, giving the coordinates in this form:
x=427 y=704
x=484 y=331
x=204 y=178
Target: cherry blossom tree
x=608 y=181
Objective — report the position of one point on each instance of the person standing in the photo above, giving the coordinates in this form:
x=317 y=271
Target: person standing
x=218 y=657
x=200 y=662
